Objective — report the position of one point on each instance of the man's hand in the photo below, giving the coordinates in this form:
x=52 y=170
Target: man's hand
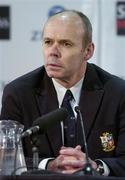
x=69 y=160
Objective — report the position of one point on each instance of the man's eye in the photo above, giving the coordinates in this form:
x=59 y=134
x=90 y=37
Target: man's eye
x=47 y=42
x=67 y=44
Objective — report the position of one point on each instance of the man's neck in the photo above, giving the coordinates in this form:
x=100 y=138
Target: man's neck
x=68 y=83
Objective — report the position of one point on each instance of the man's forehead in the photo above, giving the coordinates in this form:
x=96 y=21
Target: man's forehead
x=60 y=31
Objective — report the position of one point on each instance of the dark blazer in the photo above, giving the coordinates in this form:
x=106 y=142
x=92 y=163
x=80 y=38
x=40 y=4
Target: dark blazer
x=102 y=104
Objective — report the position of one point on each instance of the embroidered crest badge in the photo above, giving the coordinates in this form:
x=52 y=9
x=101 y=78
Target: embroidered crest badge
x=107 y=142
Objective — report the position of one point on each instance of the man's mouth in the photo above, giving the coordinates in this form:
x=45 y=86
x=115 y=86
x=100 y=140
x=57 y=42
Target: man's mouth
x=53 y=65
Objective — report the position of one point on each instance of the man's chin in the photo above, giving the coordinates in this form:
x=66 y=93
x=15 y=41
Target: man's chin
x=52 y=75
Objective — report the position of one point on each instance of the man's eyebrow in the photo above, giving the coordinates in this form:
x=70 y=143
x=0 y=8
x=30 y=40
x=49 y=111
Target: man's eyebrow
x=65 y=40
x=46 y=38
x=59 y=40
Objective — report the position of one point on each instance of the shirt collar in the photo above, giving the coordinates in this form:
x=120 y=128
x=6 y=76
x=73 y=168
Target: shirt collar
x=60 y=90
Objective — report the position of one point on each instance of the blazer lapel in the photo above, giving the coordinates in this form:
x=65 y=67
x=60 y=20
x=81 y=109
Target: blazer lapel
x=47 y=101
x=91 y=96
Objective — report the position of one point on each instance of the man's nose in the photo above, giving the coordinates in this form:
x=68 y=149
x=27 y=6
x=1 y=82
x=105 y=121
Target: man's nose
x=55 y=50
x=55 y=46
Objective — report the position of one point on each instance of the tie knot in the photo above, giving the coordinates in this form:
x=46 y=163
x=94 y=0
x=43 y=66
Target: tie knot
x=68 y=96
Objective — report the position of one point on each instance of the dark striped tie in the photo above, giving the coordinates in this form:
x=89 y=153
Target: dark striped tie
x=69 y=123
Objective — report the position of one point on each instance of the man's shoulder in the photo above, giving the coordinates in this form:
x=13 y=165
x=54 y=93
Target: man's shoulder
x=29 y=79
x=109 y=79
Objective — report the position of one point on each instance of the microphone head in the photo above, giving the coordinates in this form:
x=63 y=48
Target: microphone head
x=50 y=119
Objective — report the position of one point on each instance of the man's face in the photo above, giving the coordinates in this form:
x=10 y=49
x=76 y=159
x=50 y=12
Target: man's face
x=63 y=48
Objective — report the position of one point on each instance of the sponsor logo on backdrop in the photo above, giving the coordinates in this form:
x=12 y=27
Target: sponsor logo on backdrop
x=55 y=9
x=4 y=22
x=37 y=34
x=120 y=17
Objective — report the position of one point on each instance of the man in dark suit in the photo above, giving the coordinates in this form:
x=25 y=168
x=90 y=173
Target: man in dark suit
x=67 y=45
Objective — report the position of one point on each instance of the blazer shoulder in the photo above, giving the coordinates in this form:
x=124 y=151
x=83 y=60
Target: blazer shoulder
x=30 y=79
x=109 y=79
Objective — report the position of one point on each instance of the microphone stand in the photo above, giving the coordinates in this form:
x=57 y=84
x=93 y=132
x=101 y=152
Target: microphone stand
x=87 y=170
x=35 y=157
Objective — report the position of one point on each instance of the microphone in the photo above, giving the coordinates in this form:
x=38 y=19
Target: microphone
x=43 y=123
x=87 y=170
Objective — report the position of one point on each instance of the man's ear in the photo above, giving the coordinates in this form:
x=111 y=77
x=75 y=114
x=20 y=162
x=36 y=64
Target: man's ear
x=89 y=50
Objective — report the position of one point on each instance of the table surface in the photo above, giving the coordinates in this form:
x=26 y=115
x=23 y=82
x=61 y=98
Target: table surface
x=45 y=175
